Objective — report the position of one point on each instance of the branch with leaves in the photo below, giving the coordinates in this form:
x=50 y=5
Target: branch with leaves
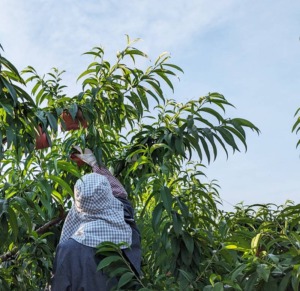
x=156 y=147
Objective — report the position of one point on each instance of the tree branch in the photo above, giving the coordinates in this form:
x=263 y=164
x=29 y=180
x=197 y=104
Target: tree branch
x=11 y=254
x=49 y=224
x=7 y=256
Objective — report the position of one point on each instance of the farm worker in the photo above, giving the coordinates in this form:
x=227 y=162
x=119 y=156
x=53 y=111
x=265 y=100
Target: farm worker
x=118 y=191
x=100 y=212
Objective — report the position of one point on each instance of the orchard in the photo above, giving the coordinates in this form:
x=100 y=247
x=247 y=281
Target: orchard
x=158 y=149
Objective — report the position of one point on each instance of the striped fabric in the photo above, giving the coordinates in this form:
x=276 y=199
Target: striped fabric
x=96 y=215
x=117 y=188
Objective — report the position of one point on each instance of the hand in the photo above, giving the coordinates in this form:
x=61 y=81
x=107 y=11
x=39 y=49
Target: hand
x=87 y=157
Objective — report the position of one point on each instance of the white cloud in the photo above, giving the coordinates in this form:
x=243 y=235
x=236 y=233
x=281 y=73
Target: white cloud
x=248 y=50
x=55 y=33
x=68 y=27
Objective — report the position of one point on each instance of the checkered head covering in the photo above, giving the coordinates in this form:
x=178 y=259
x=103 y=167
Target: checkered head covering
x=96 y=215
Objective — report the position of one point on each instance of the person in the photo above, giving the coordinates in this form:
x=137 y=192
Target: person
x=100 y=212
x=134 y=253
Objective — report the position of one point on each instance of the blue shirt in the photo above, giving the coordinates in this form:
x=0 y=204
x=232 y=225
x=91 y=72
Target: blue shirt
x=75 y=265
x=75 y=269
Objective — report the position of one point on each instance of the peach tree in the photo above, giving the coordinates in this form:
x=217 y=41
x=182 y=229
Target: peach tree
x=156 y=146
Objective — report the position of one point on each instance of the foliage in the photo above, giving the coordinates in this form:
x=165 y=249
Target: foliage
x=17 y=124
x=261 y=248
x=114 y=263
x=296 y=126
x=157 y=147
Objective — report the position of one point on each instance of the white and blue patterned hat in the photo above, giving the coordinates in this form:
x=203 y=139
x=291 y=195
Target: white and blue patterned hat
x=96 y=215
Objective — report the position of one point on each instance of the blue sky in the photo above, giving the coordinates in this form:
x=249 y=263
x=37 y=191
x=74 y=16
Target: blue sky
x=247 y=50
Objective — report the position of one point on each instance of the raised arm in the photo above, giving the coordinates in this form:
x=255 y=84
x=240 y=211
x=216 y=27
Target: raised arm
x=117 y=188
x=89 y=158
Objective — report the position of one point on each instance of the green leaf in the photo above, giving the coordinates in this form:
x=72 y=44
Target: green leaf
x=141 y=161
x=175 y=246
x=177 y=223
x=208 y=288
x=221 y=143
x=157 y=89
x=196 y=146
x=41 y=96
x=86 y=72
x=185 y=256
x=24 y=213
x=46 y=204
x=156 y=216
x=246 y=123
x=183 y=207
x=8 y=108
x=73 y=110
x=36 y=86
x=62 y=183
x=144 y=100
x=227 y=137
x=274 y=258
x=11 y=136
x=212 y=112
x=125 y=278
x=189 y=242
x=11 y=67
x=263 y=271
x=284 y=282
x=13 y=222
x=206 y=149
x=68 y=167
x=42 y=118
x=3 y=206
x=165 y=78
x=218 y=287
x=174 y=66
x=52 y=121
x=4 y=228
x=107 y=261
x=11 y=90
x=239 y=270
x=237 y=134
x=179 y=146
x=166 y=198
x=256 y=241
x=137 y=52
x=118 y=271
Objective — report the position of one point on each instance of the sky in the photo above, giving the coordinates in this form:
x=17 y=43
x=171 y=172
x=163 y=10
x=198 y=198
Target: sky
x=249 y=51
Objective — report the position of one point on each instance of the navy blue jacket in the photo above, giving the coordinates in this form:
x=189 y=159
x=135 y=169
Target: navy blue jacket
x=75 y=265
x=75 y=269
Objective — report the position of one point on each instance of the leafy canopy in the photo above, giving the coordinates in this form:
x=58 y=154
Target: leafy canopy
x=157 y=147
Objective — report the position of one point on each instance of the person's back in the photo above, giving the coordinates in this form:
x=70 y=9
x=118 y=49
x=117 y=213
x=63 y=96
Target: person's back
x=75 y=268
x=96 y=216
